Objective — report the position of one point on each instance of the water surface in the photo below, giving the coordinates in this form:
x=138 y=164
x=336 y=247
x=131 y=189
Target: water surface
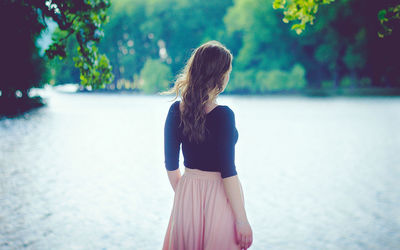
x=87 y=172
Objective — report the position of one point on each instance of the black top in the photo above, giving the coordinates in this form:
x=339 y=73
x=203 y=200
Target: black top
x=216 y=153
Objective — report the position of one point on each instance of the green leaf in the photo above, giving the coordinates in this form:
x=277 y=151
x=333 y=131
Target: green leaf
x=382 y=14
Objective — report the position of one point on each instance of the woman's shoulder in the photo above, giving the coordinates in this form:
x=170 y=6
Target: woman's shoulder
x=174 y=105
x=226 y=110
x=225 y=114
x=174 y=108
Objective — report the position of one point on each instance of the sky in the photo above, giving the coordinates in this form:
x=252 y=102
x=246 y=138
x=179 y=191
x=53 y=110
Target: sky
x=44 y=41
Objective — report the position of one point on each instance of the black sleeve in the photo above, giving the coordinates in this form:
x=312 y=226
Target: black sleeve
x=226 y=143
x=171 y=140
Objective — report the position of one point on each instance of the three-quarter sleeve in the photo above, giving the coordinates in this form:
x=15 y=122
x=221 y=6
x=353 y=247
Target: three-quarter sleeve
x=171 y=139
x=226 y=141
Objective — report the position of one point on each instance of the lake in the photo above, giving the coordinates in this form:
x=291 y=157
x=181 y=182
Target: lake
x=87 y=172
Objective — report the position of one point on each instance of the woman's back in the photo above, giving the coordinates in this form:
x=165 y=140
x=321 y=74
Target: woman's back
x=215 y=153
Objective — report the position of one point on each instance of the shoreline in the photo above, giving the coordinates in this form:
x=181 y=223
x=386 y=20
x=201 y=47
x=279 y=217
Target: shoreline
x=10 y=108
x=339 y=92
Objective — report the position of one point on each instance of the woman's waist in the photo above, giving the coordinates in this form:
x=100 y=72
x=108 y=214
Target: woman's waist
x=195 y=172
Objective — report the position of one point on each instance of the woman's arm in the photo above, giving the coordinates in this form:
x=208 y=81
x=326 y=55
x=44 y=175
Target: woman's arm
x=172 y=145
x=234 y=192
x=174 y=177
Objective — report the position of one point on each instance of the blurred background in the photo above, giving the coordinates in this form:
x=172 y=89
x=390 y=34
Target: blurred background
x=315 y=89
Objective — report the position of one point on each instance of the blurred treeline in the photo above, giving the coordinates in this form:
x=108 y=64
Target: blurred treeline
x=149 y=41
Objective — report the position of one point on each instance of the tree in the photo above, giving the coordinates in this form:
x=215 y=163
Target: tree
x=341 y=48
x=182 y=25
x=268 y=51
x=62 y=70
x=21 y=66
x=164 y=30
x=342 y=43
x=125 y=43
x=155 y=76
x=387 y=17
x=304 y=11
x=85 y=20
x=23 y=21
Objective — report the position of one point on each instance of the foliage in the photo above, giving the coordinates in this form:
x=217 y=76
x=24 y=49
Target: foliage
x=182 y=25
x=243 y=82
x=125 y=44
x=303 y=11
x=166 y=30
x=155 y=76
x=84 y=19
x=62 y=70
x=262 y=34
x=387 y=17
x=278 y=80
x=23 y=68
x=96 y=71
x=268 y=57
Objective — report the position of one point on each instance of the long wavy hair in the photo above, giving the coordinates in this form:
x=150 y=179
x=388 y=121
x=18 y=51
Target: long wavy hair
x=202 y=76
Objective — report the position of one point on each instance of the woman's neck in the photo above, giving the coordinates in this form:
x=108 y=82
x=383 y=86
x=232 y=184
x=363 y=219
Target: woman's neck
x=211 y=102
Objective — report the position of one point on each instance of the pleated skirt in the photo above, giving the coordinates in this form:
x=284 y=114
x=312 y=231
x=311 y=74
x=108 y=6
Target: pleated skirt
x=201 y=216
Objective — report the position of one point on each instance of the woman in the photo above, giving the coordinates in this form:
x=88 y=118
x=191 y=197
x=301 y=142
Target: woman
x=208 y=210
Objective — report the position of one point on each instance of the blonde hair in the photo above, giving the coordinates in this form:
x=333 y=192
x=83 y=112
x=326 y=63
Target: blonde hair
x=202 y=75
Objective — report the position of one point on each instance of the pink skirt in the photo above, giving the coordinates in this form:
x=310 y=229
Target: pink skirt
x=201 y=217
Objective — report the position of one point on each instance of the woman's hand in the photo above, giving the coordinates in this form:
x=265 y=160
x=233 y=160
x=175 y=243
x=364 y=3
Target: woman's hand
x=174 y=177
x=244 y=234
